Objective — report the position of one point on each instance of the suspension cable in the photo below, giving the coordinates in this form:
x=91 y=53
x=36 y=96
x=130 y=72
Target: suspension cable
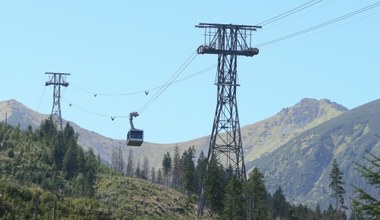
x=169 y=82
x=318 y=26
x=145 y=90
x=290 y=12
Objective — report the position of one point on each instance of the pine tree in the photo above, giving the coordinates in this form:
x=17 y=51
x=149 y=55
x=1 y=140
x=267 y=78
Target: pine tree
x=200 y=171
x=153 y=175
x=279 y=204
x=256 y=196
x=117 y=160
x=81 y=160
x=91 y=166
x=318 y=212
x=145 y=169
x=177 y=169
x=167 y=166
x=120 y=160
x=234 y=205
x=336 y=185
x=159 y=176
x=329 y=213
x=138 y=170
x=80 y=185
x=188 y=172
x=59 y=150
x=214 y=186
x=114 y=159
x=367 y=204
x=130 y=164
x=70 y=163
x=67 y=147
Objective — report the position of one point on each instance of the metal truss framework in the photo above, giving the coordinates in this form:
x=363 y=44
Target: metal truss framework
x=227 y=41
x=57 y=80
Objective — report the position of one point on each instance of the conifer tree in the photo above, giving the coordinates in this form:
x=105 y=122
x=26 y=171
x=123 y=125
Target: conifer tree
x=145 y=169
x=256 y=196
x=114 y=159
x=70 y=163
x=80 y=185
x=318 y=212
x=214 y=186
x=130 y=164
x=167 y=166
x=120 y=160
x=159 y=176
x=91 y=165
x=368 y=205
x=279 y=204
x=336 y=185
x=188 y=172
x=153 y=175
x=138 y=170
x=234 y=205
x=200 y=171
x=117 y=160
x=177 y=169
x=59 y=150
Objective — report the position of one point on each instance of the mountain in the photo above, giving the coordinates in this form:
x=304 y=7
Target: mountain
x=258 y=139
x=17 y=114
x=261 y=141
x=302 y=165
x=267 y=135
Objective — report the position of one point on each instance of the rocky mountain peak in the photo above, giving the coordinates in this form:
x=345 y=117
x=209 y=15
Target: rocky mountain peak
x=308 y=110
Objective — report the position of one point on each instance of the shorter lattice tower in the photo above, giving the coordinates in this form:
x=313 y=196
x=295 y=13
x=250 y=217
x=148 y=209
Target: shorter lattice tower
x=58 y=80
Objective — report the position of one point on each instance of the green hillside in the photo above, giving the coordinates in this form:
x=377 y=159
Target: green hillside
x=45 y=173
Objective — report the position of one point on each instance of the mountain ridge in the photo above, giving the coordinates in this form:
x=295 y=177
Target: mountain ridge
x=259 y=139
x=270 y=133
x=347 y=138
x=255 y=143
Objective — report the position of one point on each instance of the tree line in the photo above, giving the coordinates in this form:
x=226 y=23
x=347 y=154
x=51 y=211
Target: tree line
x=229 y=198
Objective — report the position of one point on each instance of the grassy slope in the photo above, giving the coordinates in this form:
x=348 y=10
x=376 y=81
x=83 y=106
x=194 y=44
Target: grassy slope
x=142 y=199
x=117 y=197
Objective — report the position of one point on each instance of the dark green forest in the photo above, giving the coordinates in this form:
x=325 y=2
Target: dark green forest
x=40 y=169
x=229 y=198
x=45 y=174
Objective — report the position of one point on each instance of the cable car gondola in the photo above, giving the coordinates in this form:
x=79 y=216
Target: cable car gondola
x=135 y=137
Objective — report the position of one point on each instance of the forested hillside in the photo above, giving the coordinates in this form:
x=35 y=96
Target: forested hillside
x=45 y=174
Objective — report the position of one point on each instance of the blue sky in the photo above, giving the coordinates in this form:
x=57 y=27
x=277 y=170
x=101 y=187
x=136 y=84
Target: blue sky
x=122 y=46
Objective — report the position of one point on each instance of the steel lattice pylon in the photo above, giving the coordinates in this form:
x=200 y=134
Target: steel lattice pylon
x=227 y=41
x=58 y=80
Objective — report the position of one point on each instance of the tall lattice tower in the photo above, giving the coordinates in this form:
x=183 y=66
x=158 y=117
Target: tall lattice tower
x=227 y=41
x=58 y=80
